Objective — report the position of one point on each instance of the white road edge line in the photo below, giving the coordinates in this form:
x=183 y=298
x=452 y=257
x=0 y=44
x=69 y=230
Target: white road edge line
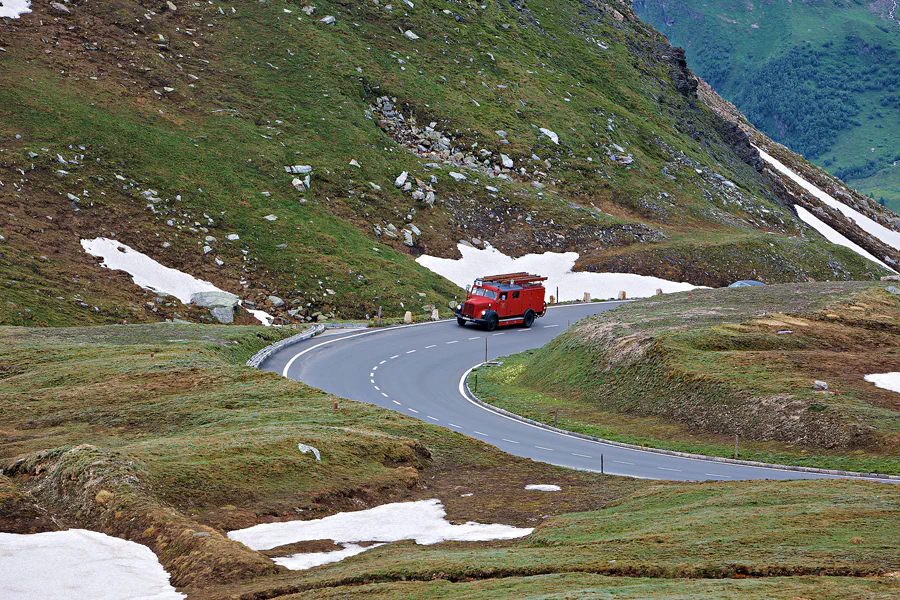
x=717 y=475
x=622 y=462
x=462 y=383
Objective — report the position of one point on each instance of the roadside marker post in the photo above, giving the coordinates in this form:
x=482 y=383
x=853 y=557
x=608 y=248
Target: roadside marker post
x=601 y=464
x=735 y=446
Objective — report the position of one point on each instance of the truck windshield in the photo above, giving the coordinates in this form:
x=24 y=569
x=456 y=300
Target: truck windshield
x=484 y=292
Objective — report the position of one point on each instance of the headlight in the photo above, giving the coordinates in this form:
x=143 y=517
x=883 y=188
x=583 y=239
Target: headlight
x=459 y=307
x=483 y=312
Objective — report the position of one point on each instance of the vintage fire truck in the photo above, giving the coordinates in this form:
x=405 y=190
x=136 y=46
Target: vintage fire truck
x=498 y=300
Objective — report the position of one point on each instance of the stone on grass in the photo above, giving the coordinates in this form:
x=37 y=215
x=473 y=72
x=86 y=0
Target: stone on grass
x=276 y=301
x=214 y=299
x=820 y=385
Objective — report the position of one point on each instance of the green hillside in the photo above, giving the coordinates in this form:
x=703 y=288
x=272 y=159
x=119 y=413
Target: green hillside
x=171 y=130
x=819 y=77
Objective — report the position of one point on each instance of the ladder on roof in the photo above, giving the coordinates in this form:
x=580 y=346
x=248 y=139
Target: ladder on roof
x=514 y=278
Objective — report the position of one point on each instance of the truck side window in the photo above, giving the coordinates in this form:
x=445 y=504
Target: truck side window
x=515 y=294
x=503 y=296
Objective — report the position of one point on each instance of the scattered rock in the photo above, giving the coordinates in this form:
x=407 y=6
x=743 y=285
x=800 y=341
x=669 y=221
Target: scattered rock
x=820 y=385
x=401 y=179
x=276 y=301
x=435 y=315
x=409 y=34
x=270 y=218
x=329 y=20
x=306 y=449
x=457 y=176
x=60 y=8
x=298 y=169
x=892 y=290
x=232 y=237
x=407 y=318
x=507 y=161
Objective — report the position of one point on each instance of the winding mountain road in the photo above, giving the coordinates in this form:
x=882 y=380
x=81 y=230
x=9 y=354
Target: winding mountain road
x=418 y=370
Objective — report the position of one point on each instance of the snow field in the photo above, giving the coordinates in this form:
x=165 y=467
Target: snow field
x=832 y=235
x=886 y=381
x=13 y=9
x=421 y=521
x=153 y=276
x=80 y=565
x=877 y=230
x=557 y=266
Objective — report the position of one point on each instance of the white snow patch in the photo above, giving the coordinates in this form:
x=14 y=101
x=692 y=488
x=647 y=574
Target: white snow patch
x=80 y=565
x=304 y=449
x=542 y=487
x=261 y=315
x=886 y=381
x=877 y=230
x=832 y=235
x=145 y=271
x=13 y=9
x=556 y=266
x=308 y=560
x=553 y=137
x=421 y=521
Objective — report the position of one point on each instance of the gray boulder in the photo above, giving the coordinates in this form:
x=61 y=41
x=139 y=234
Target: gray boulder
x=223 y=314
x=214 y=300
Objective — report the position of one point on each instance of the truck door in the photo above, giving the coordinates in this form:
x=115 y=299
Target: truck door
x=516 y=304
x=503 y=305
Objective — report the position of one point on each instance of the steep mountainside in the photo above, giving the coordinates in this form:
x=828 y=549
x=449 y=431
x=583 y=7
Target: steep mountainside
x=261 y=146
x=820 y=77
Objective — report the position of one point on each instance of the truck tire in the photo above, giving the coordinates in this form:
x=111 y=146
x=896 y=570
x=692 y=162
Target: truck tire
x=460 y=321
x=492 y=321
x=529 y=319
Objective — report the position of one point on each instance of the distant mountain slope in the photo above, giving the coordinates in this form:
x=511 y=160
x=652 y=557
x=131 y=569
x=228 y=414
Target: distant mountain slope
x=820 y=77
x=261 y=147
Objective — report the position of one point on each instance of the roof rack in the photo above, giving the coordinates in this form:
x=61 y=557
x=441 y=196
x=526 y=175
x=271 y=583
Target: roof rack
x=521 y=278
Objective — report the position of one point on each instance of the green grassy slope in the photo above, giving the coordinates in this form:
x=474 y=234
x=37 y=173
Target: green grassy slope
x=663 y=542
x=819 y=77
x=690 y=373
x=205 y=106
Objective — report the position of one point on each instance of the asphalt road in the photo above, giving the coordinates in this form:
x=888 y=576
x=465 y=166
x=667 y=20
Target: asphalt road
x=417 y=370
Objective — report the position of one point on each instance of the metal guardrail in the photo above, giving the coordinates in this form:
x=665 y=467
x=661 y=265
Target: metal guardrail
x=258 y=358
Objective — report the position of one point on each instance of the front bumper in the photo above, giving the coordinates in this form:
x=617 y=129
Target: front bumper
x=477 y=320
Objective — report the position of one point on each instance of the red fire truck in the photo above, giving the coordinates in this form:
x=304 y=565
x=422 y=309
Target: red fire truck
x=510 y=299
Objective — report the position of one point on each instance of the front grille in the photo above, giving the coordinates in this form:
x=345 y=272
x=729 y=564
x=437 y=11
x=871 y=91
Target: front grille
x=468 y=310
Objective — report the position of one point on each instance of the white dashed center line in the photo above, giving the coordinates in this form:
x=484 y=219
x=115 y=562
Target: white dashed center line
x=431 y=346
x=375 y=368
x=372 y=381
x=382 y=362
x=377 y=388
x=385 y=395
x=717 y=475
x=410 y=351
x=549 y=326
x=412 y=410
x=395 y=356
x=397 y=403
x=372 y=374
x=475 y=338
x=622 y=462
x=668 y=469
x=510 y=441
x=581 y=455
x=430 y=417
x=454 y=342
x=504 y=333
x=484 y=434
x=542 y=448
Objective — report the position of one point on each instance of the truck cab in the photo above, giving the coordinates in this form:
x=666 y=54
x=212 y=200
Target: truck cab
x=501 y=300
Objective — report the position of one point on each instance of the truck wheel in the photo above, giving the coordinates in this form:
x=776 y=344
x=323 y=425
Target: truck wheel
x=529 y=319
x=460 y=321
x=492 y=323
